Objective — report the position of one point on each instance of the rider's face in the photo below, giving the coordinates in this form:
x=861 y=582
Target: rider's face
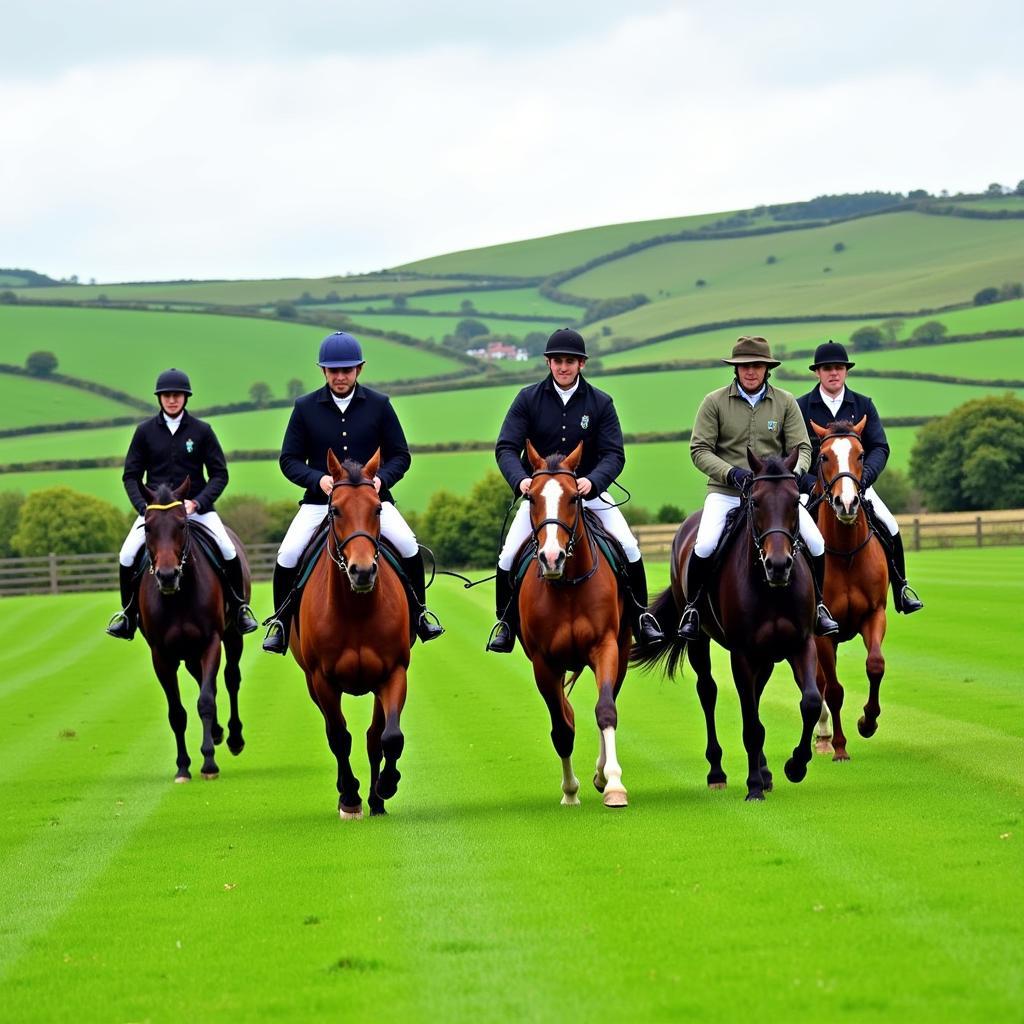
x=565 y=369
x=832 y=377
x=172 y=402
x=751 y=376
x=342 y=379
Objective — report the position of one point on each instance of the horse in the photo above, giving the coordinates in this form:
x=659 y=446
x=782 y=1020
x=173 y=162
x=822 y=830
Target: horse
x=571 y=615
x=761 y=608
x=182 y=616
x=856 y=579
x=352 y=634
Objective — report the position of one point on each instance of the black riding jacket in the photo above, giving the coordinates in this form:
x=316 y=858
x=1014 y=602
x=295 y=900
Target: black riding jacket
x=165 y=458
x=876 y=447
x=316 y=424
x=539 y=415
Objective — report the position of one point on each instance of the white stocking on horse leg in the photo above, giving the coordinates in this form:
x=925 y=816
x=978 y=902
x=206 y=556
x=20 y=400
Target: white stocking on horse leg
x=614 y=791
x=823 y=735
x=600 y=781
x=570 y=784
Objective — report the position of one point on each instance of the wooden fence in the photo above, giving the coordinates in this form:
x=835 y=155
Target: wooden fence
x=65 y=574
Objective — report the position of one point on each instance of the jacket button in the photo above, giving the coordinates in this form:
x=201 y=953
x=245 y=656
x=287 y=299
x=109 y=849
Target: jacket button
x=344 y=433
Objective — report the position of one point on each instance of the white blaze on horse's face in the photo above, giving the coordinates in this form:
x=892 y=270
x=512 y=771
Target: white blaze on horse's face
x=553 y=553
x=845 y=502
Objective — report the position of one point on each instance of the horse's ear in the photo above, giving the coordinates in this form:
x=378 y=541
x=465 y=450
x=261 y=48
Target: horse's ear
x=755 y=463
x=573 y=458
x=150 y=495
x=180 y=492
x=791 y=460
x=822 y=431
x=371 y=467
x=333 y=465
x=858 y=427
x=531 y=453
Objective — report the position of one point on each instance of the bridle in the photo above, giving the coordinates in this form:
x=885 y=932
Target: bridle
x=186 y=547
x=826 y=492
x=759 y=538
x=572 y=530
x=338 y=554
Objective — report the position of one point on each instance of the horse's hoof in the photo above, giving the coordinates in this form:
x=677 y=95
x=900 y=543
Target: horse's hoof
x=841 y=755
x=180 y=778
x=570 y=800
x=236 y=746
x=865 y=728
x=210 y=775
x=823 y=746
x=599 y=782
x=767 y=785
x=795 y=770
x=218 y=736
x=387 y=784
x=350 y=813
x=716 y=785
x=752 y=797
x=376 y=812
x=615 y=798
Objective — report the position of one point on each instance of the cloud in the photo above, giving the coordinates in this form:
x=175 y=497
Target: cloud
x=202 y=166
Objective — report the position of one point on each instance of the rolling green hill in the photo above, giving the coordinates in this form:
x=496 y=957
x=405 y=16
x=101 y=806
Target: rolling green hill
x=521 y=301
x=27 y=400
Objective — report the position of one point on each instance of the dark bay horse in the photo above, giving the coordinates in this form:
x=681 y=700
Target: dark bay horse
x=856 y=579
x=571 y=616
x=182 y=616
x=353 y=637
x=760 y=607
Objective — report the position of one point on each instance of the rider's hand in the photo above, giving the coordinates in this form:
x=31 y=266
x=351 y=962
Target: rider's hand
x=739 y=478
x=524 y=485
x=326 y=483
x=584 y=486
x=807 y=482
x=190 y=507
x=376 y=484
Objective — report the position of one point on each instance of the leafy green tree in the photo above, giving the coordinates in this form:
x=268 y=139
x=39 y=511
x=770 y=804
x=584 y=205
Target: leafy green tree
x=891 y=328
x=466 y=306
x=930 y=330
x=864 y=339
x=900 y=495
x=8 y=298
x=466 y=330
x=670 y=514
x=294 y=388
x=10 y=508
x=1019 y=190
x=986 y=296
x=463 y=530
x=247 y=515
x=399 y=301
x=1011 y=290
x=41 y=364
x=65 y=522
x=995 y=189
x=839 y=247
x=636 y=515
x=260 y=393
x=973 y=458
x=772 y=259
x=286 y=310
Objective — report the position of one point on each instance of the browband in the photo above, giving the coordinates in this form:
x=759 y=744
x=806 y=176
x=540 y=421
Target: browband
x=160 y=508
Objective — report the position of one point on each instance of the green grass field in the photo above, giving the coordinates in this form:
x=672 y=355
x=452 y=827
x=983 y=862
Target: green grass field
x=522 y=301
x=434 y=328
x=884 y=888
x=27 y=400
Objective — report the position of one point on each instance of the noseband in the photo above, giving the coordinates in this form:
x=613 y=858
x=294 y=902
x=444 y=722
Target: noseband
x=338 y=554
x=186 y=547
x=572 y=530
x=759 y=538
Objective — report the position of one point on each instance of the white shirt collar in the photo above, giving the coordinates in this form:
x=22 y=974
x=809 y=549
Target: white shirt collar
x=343 y=403
x=173 y=422
x=566 y=393
x=832 y=404
x=754 y=398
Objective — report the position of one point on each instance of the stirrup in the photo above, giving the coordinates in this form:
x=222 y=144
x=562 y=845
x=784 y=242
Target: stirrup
x=909 y=602
x=276 y=640
x=121 y=626
x=689 y=624
x=501 y=639
x=245 y=621
x=824 y=624
x=428 y=627
x=648 y=628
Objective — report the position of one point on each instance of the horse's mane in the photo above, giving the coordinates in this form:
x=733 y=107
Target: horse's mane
x=774 y=466
x=840 y=427
x=354 y=471
x=554 y=461
x=163 y=494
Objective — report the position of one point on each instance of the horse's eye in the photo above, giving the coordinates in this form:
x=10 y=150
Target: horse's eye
x=860 y=458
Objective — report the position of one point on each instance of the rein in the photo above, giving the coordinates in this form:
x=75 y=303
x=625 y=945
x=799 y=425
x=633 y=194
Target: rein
x=338 y=554
x=571 y=530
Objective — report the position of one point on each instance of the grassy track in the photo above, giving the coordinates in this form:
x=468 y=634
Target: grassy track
x=884 y=888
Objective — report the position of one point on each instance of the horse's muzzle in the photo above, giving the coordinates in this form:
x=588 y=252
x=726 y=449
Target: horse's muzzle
x=549 y=570
x=846 y=515
x=362 y=578
x=168 y=580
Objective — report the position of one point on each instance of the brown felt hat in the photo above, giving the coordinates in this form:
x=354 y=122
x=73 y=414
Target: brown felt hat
x=752 y=350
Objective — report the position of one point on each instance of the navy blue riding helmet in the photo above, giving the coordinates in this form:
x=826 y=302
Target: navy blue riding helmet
x=339 y=351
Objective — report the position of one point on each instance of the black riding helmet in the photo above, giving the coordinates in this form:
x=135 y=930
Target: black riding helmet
x=566 y=342
x=173 y=380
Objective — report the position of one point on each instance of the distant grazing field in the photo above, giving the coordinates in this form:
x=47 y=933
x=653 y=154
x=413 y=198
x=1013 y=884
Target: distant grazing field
x=1001 y=358
x=434 y=328
x=27 y=400
x=223 y=355
x=522 y=301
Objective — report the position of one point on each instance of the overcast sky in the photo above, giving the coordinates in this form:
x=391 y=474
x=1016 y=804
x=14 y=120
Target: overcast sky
x=201 y=139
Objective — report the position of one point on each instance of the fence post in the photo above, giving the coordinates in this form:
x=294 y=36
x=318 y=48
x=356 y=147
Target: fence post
x=917 y=534
x=977 y=529
x=53 y=573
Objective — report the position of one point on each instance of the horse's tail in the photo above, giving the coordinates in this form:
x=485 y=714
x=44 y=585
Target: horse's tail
x=671 y=651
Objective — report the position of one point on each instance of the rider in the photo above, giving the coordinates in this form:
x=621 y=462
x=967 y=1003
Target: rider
x=354 y=421
x=832 y=400
x=748 y=413
x=555 y=415
x=166 y=448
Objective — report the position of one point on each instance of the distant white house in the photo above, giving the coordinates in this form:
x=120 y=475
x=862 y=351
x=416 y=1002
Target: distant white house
x=500 y=350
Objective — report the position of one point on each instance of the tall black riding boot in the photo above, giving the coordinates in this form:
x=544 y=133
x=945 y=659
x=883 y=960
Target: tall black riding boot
x=904 y=597
x=645 y=625
x=245 y=621
x=427 y=625
x=824 y=624
x=503 y=636
x=696 y=581
x=276 y=640
x=124 y=623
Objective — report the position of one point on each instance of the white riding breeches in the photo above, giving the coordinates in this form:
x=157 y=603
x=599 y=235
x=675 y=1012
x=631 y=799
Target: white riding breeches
x=392 y=527
x=137 y=537
x=611 y=519
x=712 y=523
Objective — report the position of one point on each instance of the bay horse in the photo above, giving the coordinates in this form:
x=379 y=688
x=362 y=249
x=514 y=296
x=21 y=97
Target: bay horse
x=352 y=634
x=571 y=616
x=761 y=608
x=856 y=579
x=183 y=618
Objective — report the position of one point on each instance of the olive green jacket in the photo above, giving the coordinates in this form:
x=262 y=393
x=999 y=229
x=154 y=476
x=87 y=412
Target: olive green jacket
x=726 y=426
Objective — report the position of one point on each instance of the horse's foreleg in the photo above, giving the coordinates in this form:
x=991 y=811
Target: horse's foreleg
x=207 y=705
x=167 y=673
x=745 y=678
x=232 y=681
x=873 y=634
x=804 y=665
x=375 y=753
x=392 y=742
x=606 y=672
x=550 y=685
x=832 y=698
x=339 y=739
x=699 y=654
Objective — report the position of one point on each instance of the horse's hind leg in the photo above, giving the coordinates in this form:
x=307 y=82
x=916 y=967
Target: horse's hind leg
x=232 y=681
x=550 y=685
x=606 y=672
x=167 y=673
x=804 y=667
x=699 y=654
x=833 y=696
x=392 y=742
x=375 y=753
x=873 y=633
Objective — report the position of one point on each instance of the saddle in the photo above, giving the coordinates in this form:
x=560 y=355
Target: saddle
x=207 y=543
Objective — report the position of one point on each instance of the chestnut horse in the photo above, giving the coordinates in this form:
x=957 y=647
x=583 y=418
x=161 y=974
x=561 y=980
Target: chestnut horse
x=856 y=579
x=571 y=616
x=182 y=616
x=353 y=634
x=760 y=608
